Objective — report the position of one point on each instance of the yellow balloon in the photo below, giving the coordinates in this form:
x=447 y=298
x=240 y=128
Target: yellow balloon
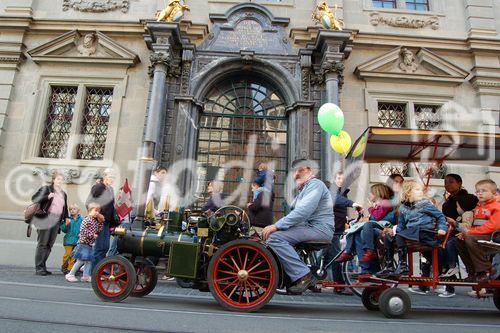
x=341 y=143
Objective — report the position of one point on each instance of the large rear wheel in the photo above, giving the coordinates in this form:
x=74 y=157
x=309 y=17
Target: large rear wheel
x=350 y=272
x=113 y=279
x=243 y=275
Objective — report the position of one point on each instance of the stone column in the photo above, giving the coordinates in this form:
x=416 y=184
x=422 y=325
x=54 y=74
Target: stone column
x=11 y=53
x=301 y=127
x=330 y=51
x=155 y=120
x=186 y=122
x=330 y=160
x=162 y=39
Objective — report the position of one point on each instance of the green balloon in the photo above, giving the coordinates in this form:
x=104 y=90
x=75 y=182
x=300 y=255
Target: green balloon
x=331 y=118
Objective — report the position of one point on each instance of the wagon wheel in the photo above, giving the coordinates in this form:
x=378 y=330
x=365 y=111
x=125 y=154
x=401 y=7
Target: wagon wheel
x=113 y=279
x=146 y=278
x=370 y=298
x=394 y=303
x=243 y=275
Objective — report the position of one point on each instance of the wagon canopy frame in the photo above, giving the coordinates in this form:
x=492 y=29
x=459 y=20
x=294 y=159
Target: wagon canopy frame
x=433 y=147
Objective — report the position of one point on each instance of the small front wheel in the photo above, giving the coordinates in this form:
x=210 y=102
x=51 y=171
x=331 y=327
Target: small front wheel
x=370 y=298
x=113 y=279
x=394 y=303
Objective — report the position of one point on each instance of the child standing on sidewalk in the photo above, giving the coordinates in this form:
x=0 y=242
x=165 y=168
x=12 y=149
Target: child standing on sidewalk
x=71 y=228
x=91 y=227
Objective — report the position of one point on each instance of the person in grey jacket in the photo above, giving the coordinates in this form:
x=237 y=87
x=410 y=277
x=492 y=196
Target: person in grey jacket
x=311 y=219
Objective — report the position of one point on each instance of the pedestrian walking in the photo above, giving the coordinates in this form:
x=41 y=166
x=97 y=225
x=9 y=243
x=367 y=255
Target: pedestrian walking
x=103 y=195
x=53 y=202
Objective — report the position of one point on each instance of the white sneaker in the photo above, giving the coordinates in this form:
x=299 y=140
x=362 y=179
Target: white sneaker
x=71 y=278
x=473 y=293
x=440 y=290
x=86 y=279
x=446 y=294
x=450 y=272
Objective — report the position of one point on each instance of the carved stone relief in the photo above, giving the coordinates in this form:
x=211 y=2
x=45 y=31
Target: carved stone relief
x=71 y=176
x=404 y=21
x=408 y=62
x=96 y=6
x=88 y=46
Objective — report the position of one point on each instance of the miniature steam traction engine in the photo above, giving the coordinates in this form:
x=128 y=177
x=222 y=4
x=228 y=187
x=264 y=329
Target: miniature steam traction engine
x=214 y=252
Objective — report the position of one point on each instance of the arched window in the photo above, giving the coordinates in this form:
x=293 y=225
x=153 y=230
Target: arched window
x=237 y=112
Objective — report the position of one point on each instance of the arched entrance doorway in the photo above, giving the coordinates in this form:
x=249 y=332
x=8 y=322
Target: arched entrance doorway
x=238 y=111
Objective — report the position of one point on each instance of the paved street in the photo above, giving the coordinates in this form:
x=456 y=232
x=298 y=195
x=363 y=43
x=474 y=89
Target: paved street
x=49 y=304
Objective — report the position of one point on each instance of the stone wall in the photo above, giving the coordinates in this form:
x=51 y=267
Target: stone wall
x=464 y=34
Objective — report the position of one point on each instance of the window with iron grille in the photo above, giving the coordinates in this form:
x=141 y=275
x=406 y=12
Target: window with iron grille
x=236 y=112
x=384 y=3
x=422 y=5
x=57 y=128
x=71 y=116
x=427 y=116
x=94 y=125
x=392 y=115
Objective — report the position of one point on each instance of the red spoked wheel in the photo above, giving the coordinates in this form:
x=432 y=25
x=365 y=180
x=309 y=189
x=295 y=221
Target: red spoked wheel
x=146 y=278
x=243 y=275
x=114 y=279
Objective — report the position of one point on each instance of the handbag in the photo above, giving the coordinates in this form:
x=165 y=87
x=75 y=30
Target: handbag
x=34 y=209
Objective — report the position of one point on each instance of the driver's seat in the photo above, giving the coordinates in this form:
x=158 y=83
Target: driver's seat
x=312 y=245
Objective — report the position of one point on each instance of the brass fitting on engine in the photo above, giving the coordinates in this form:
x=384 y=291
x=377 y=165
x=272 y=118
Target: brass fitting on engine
x=120 y=231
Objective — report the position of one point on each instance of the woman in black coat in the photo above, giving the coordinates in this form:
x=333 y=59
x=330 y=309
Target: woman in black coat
x=54 y=202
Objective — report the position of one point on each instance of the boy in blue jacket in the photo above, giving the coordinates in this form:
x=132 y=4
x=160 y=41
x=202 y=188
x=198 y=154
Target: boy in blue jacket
x=71 y=228
x=418 y=220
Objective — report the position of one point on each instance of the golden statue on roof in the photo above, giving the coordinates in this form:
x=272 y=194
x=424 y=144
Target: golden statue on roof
x=173 y=11
x=328 y=18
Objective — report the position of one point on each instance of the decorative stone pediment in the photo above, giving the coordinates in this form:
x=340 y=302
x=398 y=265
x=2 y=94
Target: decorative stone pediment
x=248 y=27
x=410 y=64
x=84 y=47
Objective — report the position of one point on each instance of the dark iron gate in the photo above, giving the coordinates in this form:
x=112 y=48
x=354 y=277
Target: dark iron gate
x=236 y=112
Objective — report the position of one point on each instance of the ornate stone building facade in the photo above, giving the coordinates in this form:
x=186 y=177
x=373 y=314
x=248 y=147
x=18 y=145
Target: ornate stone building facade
x=86 y=85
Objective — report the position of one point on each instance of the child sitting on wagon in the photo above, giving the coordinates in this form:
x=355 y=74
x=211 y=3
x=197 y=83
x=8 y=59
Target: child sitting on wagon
x=418 y=220
x=486 y=222
x=381 y=215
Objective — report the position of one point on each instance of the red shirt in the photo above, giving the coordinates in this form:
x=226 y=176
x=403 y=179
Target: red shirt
x=490 y=212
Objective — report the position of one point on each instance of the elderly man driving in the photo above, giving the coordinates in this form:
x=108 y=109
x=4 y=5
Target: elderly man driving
x=311 y=219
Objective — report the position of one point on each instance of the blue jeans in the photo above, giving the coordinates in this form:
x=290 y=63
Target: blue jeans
x=113 y=250
x=101 y=245
x=369 y=234
x=86 y=269
x=355 y=244
x=448 y=257
x=282 y=243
